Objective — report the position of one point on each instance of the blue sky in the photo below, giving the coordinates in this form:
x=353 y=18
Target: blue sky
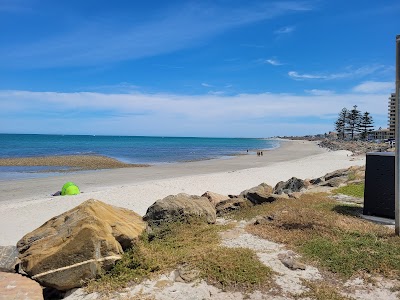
x=193 y=68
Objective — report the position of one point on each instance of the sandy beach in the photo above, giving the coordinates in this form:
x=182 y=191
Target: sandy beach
x=27 y=204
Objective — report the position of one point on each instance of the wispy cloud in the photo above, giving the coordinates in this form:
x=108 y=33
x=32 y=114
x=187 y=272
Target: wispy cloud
x=296 y=75
x=160 y=114
x=285 y=30
x=273 y=62
x=317 y=92
x=348 y=73
x=206 y=84
x=374 y=87
x=96 y=42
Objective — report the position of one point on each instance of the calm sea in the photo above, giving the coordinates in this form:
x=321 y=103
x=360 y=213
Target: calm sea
x=130 y=149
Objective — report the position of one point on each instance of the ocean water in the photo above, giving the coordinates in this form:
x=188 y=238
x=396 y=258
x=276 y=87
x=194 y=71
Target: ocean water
x=129 y=149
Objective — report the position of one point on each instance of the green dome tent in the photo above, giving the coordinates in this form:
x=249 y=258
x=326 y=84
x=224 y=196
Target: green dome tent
x=69 y=188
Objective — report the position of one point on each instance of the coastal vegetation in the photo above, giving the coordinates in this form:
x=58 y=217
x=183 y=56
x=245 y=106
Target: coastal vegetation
x=354 y=190
x=328 y=235
x=196 y=245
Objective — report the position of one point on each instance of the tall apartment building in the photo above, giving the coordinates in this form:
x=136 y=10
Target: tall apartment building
x=392 y=115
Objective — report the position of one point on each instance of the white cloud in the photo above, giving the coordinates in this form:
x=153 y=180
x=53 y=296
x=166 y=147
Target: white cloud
x=206 y=84
x=296 y=75
x=216 y=93
x=163 y=114
x=349 y=72
x=375 y=87
x=285 y=30
x=317 y=92
x=273 y=62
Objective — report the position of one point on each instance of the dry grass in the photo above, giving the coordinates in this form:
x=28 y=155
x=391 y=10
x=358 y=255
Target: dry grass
x=194 y=244
x=76 y=162
x=328 y=235
x=321 y=291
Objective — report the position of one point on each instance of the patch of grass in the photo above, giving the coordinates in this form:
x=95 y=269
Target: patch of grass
x=354 y=252
x=234 y=267
x=321 y=291
x=193 y=243
x=340 y=243
x=351 y=176
x=354 y=190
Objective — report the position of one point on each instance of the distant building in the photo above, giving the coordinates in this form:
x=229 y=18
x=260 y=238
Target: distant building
x=392 y=115
x=380 y=134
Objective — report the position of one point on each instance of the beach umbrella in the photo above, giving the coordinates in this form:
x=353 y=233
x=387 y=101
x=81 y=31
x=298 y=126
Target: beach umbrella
x=69 y=188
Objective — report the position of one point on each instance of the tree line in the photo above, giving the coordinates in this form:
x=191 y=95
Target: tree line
x=352 y=123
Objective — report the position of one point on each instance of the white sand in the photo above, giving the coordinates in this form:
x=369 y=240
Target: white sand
x=27 y=204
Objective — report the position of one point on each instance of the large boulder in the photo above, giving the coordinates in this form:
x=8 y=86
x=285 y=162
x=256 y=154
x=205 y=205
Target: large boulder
x=337 y=173
x=232 y=204
x=179 y=207
x=287 y=187
x=334 y=182
x=75 y=245
x=258 y=194
x=214 y=198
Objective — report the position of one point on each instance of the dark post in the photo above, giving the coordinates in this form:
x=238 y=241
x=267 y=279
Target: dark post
x=397 y=128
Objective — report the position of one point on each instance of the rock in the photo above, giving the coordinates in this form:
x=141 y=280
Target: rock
x=334 y=182
x=275 y=197
x=288 y=259
x=337 y=173
x=232 y=204
x=292 y=185
x=258 y=194
x=263 y=220
x=307 y=183
x=262 y=188
x=295 y=195
x=186 y=274
x=16 y=286
x=292 y=264
x=317 y=181
x=357 y=147
x=8 y=258
x=178 y=207
x=75 y=245
x=214 y=198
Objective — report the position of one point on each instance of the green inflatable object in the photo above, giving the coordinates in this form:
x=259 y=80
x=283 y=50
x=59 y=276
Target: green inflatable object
x=69 y=188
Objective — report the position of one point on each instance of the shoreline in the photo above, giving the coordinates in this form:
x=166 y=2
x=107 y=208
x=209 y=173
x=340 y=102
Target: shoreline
x=33 y=167
x=27 y=204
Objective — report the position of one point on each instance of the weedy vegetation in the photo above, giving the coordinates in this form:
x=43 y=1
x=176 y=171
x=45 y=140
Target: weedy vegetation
x=192 y=243
x=354 y=190
x=328 y=235
x=321 y=291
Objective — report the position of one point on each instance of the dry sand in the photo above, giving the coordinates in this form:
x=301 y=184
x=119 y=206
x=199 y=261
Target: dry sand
x=27 y=204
